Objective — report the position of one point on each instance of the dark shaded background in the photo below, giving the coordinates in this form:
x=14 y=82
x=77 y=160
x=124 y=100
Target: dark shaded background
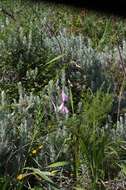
x=116 y=8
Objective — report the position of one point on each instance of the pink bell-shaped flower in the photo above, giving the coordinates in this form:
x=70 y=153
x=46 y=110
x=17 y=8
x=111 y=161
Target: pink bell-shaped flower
x=64 y=97
x=63 y=109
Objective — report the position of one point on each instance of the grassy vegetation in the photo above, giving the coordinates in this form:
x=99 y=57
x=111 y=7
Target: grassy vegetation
x=62 y=102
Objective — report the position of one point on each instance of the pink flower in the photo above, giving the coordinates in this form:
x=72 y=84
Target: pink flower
x=63 y=108
x=64 y=97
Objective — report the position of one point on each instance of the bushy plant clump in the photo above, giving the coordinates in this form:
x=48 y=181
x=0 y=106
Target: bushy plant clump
x=36 y=131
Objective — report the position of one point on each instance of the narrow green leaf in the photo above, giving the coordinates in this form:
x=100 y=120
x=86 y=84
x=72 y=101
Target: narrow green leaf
x=42 y=174
x=71 y=100
x=55 y=59
x=58 y=164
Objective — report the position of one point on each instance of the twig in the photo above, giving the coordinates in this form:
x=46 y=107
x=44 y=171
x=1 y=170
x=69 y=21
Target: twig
x=59 y=44
x=123 y=81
